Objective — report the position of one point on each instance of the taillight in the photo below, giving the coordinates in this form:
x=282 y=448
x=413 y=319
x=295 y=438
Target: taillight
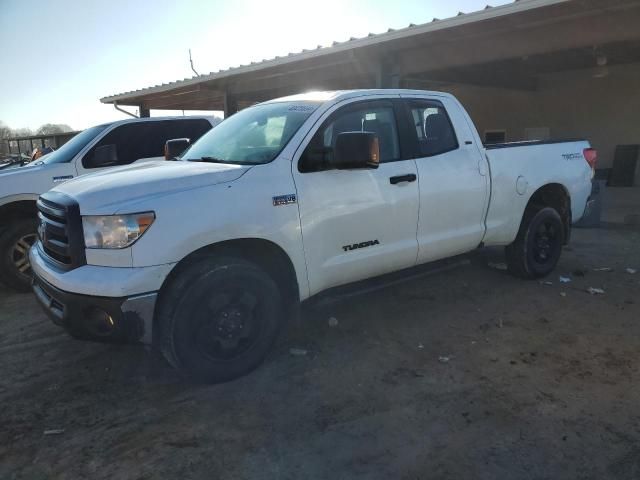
x=591 y=156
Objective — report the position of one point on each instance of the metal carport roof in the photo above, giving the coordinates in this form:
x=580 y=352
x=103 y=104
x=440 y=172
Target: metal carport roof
x=558 y=34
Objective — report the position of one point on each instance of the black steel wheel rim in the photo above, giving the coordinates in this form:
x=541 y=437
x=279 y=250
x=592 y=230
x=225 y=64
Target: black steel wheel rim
x=228 y=325
x=545 y=242
x=20 y=254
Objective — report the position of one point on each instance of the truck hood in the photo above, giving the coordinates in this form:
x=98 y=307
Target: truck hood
x=16 y=169
x=107 y=192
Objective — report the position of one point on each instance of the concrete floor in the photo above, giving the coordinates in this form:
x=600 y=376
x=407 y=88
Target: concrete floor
x=622 y=205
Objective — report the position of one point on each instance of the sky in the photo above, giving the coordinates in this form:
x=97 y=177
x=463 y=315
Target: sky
x=60 y=57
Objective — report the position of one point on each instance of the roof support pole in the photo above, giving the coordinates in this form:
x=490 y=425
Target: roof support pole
x=230 y=104
x=387 y=75
x=144 y=112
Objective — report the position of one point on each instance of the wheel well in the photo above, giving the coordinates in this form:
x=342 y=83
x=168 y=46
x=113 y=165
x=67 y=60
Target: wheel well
x=557 y=197
x=264 y=253
x=15 y=210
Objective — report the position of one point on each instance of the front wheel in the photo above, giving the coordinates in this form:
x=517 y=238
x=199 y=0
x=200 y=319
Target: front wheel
x=219 y=318
x=15 y=242
x=536 y=250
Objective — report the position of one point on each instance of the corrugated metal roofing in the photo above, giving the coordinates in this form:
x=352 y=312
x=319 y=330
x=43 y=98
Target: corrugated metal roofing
x=371 y=39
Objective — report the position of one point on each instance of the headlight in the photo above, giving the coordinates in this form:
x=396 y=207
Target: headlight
x=115 y=231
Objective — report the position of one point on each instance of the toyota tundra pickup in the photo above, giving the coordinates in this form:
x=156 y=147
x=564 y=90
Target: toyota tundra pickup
x=103 y=146
x=206 y=257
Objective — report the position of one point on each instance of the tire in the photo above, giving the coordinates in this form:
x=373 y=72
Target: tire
x=15 y=241
x=219 y=318
x=537 y=248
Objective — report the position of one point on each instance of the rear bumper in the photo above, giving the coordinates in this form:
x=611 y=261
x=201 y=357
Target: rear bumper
x=591 y=199
x=128 y=319
x=588 y=208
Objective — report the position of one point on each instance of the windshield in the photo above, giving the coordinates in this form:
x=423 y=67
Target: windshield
x=252 y=136
x=70 y=149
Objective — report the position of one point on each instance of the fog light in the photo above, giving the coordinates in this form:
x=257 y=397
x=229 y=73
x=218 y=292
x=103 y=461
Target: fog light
x=99 y=322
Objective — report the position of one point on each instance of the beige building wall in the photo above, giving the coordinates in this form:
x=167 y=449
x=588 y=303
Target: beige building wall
x=499 y=109
x=606 y=111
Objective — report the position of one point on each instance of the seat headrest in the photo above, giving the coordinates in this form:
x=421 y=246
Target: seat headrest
x=436 y=125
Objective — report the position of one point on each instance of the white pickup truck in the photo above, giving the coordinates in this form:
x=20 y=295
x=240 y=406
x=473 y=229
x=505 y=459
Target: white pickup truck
x=206 y=256
x=103 y=146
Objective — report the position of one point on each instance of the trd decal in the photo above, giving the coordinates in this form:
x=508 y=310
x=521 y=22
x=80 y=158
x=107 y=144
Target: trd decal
x=571 y=156
x=355 y=246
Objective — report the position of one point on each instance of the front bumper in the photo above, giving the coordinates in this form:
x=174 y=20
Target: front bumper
x=100 y=281
x=128 y=319
x=109 y=307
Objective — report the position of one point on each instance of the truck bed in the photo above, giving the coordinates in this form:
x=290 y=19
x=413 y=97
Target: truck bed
x=528 y=143
x=519 y=169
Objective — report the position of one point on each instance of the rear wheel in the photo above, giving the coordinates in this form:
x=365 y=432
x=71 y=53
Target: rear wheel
x=219 y=318
x=537 y=248
x=15 y=242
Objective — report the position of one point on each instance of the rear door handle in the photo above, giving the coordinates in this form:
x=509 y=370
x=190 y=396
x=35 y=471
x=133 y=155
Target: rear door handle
x=411 y=177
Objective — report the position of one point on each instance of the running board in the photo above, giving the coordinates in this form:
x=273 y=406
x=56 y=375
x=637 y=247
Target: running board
x=345 y=292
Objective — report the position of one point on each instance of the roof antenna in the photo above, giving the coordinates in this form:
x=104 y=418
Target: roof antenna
x=191 y=62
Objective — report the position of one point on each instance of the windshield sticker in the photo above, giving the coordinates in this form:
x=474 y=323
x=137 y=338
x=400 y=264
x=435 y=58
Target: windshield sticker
x=301 y=108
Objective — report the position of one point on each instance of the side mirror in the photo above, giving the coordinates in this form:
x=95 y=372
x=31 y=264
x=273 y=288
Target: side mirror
x=174 y=147
x=356 y=150
x=103 y=156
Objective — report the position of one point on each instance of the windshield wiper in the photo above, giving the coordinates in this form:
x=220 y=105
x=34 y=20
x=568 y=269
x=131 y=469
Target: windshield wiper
x=218 y=160
x=212 y=160
x=14 y=161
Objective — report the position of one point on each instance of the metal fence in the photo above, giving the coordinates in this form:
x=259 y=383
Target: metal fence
x=18 y=145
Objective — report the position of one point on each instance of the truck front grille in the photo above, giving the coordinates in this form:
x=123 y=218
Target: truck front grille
x=60 y=230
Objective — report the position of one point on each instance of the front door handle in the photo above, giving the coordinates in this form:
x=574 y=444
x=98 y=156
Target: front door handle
x=411 y=177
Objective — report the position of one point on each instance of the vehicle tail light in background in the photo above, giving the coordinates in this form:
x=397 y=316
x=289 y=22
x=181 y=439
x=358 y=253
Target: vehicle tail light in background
x=591 y=156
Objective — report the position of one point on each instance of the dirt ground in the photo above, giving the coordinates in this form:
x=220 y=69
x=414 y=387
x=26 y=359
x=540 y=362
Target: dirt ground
x=468 y=374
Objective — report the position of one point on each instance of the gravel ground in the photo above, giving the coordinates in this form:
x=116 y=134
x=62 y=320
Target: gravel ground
x=467 y=374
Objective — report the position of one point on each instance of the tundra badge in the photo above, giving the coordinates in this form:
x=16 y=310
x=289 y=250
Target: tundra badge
x=355 y=246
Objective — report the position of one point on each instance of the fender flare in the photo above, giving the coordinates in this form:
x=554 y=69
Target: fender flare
x=19 y=197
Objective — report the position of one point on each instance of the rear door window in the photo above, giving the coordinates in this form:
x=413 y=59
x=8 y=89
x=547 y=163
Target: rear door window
x=434 y=132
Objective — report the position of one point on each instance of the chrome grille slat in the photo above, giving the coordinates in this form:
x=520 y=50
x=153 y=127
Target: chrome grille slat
x=58 y=247
x=56 y=227
x=48 y=209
